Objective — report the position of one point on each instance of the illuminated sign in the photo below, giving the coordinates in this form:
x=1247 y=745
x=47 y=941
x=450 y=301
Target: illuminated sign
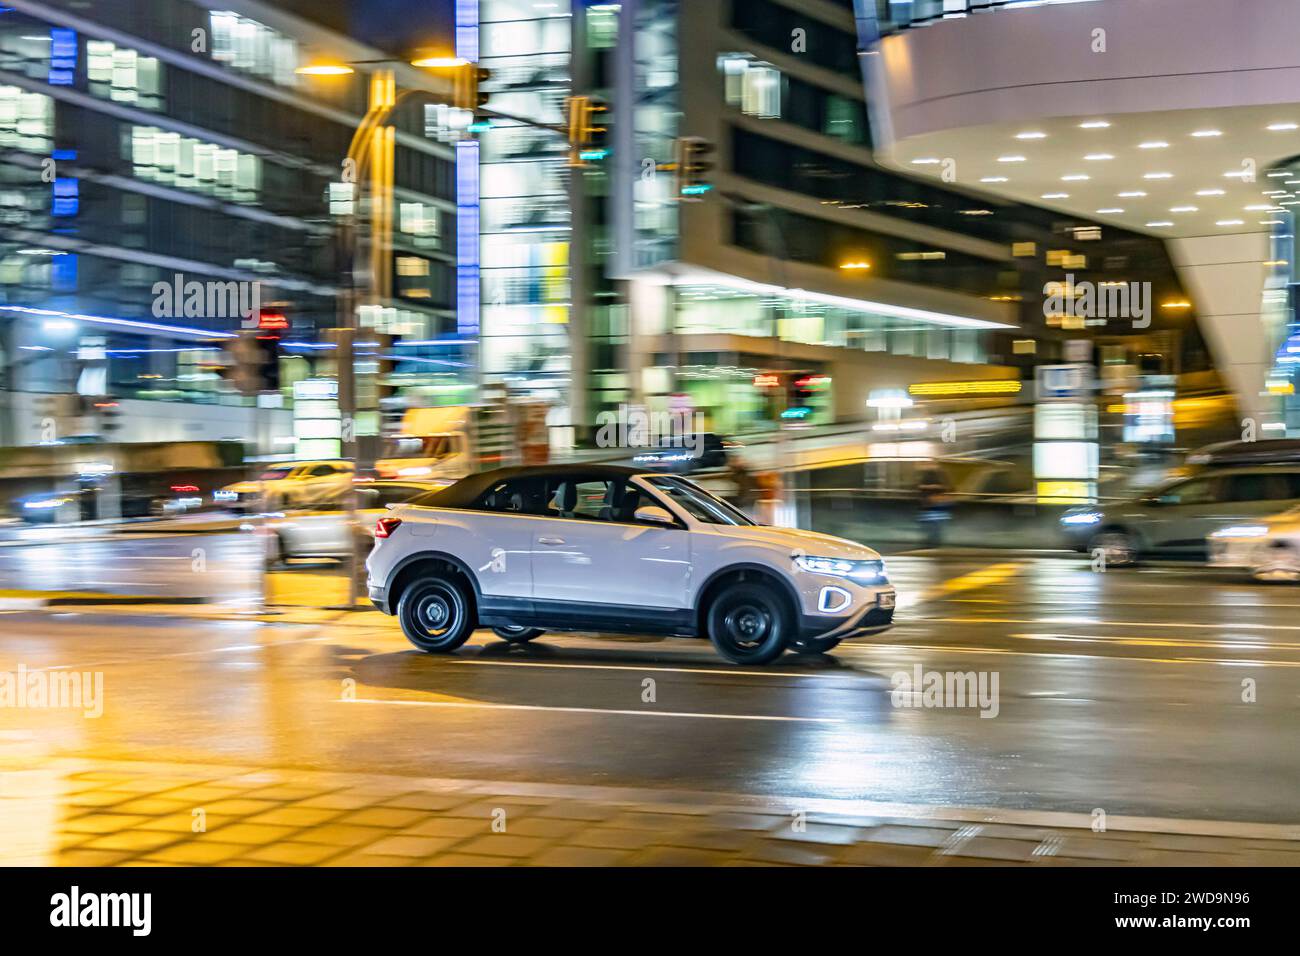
x=992 y=386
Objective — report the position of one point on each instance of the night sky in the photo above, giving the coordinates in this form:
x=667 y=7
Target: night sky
x=395 y=26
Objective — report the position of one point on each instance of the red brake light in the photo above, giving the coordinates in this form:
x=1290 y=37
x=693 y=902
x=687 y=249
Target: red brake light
x=386 y=526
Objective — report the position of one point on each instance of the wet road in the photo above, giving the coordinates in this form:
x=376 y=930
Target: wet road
x=1122 y=691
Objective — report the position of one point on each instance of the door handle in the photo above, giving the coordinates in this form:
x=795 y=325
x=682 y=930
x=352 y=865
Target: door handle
x=550 y=540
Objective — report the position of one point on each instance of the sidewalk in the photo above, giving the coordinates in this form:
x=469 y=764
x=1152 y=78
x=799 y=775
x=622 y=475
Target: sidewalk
x=78 y=812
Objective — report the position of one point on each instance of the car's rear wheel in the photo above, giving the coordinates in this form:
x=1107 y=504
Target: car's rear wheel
x=436 y=614
x=1117 y=547
x=517 y=634
x=748 y=624
x=815 y=645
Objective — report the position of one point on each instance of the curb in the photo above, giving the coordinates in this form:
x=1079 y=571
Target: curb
x=24 y=600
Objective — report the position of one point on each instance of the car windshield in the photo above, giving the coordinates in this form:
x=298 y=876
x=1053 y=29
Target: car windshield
x=698 y=503
x=419 y=446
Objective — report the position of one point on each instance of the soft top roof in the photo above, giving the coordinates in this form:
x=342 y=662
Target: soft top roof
x=468 y=490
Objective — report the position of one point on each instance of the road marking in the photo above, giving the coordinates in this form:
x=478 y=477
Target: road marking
x=650 y=667
x=476 y=705
x=1157 y=641
x=975 y=580
x=1093 y=622
x=1079 y=657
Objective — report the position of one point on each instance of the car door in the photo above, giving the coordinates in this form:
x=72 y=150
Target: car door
x=591 y=554
x=1184 y=513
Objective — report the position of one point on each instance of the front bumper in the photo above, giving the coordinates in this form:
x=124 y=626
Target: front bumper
x=869 y=619
x=1235 y=552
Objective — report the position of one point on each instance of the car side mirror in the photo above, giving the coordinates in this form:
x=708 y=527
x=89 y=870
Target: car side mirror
x=653 y=514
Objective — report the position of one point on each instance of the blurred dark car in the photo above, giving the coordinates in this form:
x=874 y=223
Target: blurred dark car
x=1175 y=518
x=1268 y=451
x=684 y=454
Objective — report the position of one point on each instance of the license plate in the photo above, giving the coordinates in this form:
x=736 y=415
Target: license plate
x=885 y=600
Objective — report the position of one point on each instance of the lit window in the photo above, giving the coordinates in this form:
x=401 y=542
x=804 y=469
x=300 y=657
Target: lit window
x=751 y=85
x=249 y=47
x=123 y=75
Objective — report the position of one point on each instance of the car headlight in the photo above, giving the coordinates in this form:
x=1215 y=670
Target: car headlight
x=1241 y=531
x=1082 y=517
x=863 y=572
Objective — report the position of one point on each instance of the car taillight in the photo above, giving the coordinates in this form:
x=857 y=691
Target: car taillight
x=386 y=526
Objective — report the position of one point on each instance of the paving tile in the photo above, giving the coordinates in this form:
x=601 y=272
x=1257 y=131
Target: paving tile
x=249 y=833
x=367 y=859
x=989 y=848
x=384 y=817
x=675 y=856
x=184 y=822
x=577 y=811
x=749 y=821
x=793 y=854
x=503 y=844
x=412 y=846
x=464 y=859
x=294 y=816
x=910 y=835
x=819 y=833
x=335 y=834
x=717 y=840
x=103 y=823
x=238 y=807
x=545 y=827
x=79 y=857
x=139 y=840
x=339 y=801
x=292 y=853
x=579 y=856
x=449 y=826
x=152 y=806
x=99 y=798
x=198 y=851
x=885 y=854
x=615 y=838
x=428 y=801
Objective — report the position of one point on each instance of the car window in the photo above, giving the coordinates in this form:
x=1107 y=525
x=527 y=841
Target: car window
x=320 y=471
x=1258 y=487
x=697 y=502
x=1199 y=491
x=518 y=495
x=594 y=499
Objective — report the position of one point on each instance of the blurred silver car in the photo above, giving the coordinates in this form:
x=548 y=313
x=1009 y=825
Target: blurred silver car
x=1268 y=549
x=1175 y=519
x=324 y=532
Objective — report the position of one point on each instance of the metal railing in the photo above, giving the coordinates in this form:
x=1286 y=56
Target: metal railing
x=895 y=15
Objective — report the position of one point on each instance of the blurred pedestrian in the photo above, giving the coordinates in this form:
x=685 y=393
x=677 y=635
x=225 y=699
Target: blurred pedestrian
x=933 y=492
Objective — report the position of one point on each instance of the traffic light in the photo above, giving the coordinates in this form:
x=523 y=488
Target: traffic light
x=693 y=166
x=587 y=134
x=469 y=93
x=256 y=365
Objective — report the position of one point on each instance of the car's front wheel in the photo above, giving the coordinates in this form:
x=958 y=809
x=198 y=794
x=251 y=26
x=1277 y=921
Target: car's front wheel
x=516 y=634
x=1117 y=547
x=748 y=624
x=815 y=645
x=436 y=614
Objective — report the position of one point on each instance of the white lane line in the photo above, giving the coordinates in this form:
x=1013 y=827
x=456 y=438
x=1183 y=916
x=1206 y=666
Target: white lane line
x=938 y=648
x=476 y=705
x=1105 y=639
x=649 y=667
x=225 y=649
x=1093 y=622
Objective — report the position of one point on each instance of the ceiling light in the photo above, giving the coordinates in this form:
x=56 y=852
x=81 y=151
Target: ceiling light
x=1135 y=194
x=1055 y=196
x=1209 y=192
x=1074 y=178
x=1271 y=222
x=1230 y=222
x=1264 y=208
x=1095 y=124
x=1109 y=212
x=1207 y=133
x=994 y=179
x=1157 y=225
x=1011 y=159
x=1282 y=127
x=1183 y=209
x=1031 y=135
x=1158 y=176
x=1154 y=144
x=926 y=161
x=1098 y=157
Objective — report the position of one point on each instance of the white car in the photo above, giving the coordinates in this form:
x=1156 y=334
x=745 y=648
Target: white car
x=292 y=484
x=613 y=548
x=1269 y=549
